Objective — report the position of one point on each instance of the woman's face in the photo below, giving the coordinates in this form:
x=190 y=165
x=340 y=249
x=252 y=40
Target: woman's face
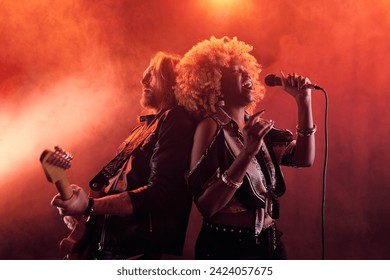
x=236 y=85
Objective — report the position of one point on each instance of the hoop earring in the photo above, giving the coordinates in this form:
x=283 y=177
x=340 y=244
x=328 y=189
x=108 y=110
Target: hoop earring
x=220 y=102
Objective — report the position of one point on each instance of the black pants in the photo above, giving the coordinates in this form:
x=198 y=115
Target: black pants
x=221 y=242
x=108 y=255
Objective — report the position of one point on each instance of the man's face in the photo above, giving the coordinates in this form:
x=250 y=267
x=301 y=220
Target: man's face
x=152 y=93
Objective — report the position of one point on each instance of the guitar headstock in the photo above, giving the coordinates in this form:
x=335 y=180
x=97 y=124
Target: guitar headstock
x=55 y=163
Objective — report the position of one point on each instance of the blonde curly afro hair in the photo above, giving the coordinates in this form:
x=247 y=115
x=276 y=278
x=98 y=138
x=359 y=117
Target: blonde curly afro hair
x=198 y=81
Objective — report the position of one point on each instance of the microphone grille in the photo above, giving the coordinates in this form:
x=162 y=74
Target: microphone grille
x=271 y=80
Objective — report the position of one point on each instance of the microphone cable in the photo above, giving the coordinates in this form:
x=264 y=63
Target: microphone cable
x=324 y=173
x=273 y=80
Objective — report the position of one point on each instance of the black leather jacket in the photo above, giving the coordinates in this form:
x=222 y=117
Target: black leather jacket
x=161 y=211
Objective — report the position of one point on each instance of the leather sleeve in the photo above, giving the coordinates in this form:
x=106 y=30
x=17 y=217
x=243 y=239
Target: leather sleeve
x=168 y=164
x=283 y=144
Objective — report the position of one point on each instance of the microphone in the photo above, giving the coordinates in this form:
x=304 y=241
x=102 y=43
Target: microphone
x=273 y=80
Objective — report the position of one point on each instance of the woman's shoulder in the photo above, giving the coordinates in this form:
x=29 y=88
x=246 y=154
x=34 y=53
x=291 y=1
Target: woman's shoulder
x=205 y=134
x=207 y=128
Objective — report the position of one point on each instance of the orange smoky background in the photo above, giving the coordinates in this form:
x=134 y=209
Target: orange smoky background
x=69 y=76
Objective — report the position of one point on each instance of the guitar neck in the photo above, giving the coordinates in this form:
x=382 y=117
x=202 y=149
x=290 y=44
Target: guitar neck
x=55 y=163
x=64 y=188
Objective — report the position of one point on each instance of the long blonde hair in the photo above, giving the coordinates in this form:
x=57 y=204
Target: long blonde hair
x=164 y=66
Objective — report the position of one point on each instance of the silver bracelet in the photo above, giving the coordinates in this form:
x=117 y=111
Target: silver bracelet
x=306 y=131
x=229 y=182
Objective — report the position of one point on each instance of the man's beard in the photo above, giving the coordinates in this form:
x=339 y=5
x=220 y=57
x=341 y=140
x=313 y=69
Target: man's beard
x=148 y=102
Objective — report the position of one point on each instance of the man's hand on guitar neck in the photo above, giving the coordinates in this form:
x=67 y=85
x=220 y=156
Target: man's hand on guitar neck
x=75 y=206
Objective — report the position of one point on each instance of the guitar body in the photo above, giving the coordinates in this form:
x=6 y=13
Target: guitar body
x=77 y=244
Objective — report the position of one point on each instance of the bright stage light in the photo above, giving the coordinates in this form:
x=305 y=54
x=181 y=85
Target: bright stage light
x=226 y=8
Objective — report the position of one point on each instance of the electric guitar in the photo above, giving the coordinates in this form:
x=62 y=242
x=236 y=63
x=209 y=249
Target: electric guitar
x=55 y=164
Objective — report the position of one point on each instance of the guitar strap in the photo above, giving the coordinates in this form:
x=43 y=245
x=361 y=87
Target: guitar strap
x=135 y=140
